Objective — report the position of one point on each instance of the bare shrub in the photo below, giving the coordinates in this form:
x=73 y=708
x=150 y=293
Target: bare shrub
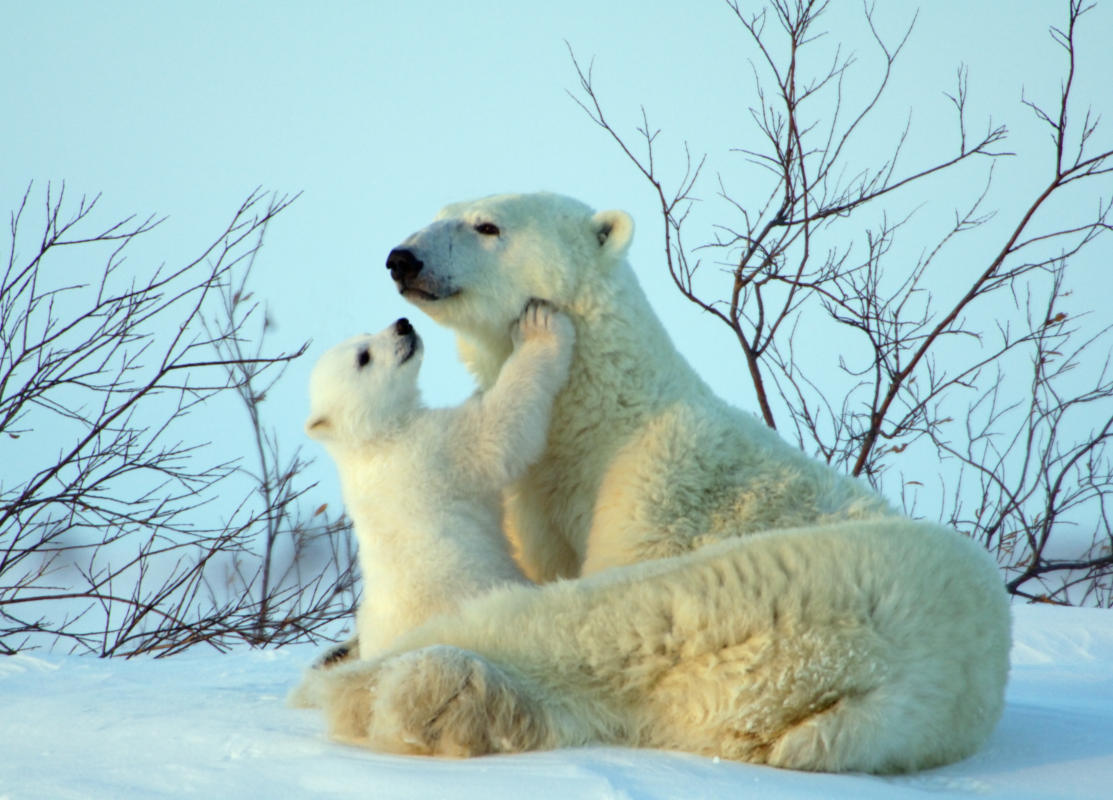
x=122 y=530
x=819 y=237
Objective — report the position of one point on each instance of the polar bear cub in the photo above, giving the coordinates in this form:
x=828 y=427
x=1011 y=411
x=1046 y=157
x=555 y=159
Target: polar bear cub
x=423 y=486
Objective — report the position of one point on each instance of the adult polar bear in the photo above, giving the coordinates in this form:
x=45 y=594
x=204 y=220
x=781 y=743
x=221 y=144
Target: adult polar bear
x=836 y=635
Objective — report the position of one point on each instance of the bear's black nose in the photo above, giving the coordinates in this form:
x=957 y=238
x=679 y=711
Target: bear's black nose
x=403 y=327
x=403 y=264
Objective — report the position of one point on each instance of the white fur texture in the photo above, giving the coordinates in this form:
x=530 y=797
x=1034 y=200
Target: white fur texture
x=812 y=627
x=423 y=486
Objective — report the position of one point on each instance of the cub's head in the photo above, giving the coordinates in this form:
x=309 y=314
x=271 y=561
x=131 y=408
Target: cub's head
x=365 y=386
x=478 y=264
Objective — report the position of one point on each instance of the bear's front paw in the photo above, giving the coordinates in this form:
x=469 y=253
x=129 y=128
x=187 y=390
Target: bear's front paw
x=541 y=319
x=445 y=701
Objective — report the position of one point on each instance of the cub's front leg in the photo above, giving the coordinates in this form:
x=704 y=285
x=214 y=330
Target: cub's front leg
x=512 y=418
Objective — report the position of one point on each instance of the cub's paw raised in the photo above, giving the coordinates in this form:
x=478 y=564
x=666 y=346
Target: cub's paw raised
x=450 y=702
x=541 y=319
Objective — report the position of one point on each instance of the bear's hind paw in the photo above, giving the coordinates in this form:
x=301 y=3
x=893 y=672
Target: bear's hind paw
x=448 y=702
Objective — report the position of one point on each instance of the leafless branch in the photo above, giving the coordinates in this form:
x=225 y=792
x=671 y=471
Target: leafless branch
x=116 y=534
x=817 y=246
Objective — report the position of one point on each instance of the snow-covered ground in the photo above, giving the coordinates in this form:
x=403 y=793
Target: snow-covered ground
x=211 y=725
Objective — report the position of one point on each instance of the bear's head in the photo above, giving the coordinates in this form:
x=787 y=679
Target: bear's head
x=478 y=264
x=365 y=386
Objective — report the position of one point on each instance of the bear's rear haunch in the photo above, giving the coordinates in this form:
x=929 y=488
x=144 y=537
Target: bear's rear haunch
x=732 y=596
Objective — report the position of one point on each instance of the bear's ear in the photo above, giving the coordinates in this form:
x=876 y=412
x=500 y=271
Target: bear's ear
x=318 y=427
x=613 y=230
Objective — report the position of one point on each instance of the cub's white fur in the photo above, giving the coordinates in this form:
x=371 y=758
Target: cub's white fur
x=423 y=486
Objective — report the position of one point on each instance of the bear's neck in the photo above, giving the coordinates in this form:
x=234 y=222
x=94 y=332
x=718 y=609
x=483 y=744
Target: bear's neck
x=624 y=356
x=358 y=454
x=617 y=332
x=625 y=366
x=484 y=356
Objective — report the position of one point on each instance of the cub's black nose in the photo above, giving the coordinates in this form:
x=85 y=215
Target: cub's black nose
x=403 y=327
x=403 y=264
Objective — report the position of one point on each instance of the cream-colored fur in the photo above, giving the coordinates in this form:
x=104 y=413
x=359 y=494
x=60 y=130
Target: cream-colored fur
x=812 y=627
x=422 y=486
x=643 y=460
x=852 y=646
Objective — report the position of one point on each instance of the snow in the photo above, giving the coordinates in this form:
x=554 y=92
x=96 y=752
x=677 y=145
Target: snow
x=211 y=725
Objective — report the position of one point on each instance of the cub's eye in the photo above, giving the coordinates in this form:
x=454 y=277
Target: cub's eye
x=364 y=357
x=487 y=229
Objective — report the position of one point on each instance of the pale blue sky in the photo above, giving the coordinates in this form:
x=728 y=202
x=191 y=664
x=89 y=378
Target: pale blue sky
x=382 y=112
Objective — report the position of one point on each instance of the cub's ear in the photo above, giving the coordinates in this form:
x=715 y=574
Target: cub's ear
x=318 y=427
x=613 y=230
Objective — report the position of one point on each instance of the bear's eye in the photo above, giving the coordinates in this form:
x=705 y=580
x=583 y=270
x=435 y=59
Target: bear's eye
x=364 y=358
x=487 y=229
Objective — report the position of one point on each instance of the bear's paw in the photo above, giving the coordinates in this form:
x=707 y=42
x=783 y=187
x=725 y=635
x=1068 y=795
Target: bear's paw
x=449 y=702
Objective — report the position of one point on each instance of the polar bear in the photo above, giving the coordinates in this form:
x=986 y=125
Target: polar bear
x=422 y=486
x=732 y=597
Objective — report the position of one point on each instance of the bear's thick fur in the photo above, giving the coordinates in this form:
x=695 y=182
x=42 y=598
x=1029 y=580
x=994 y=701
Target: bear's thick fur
x=743 y=600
